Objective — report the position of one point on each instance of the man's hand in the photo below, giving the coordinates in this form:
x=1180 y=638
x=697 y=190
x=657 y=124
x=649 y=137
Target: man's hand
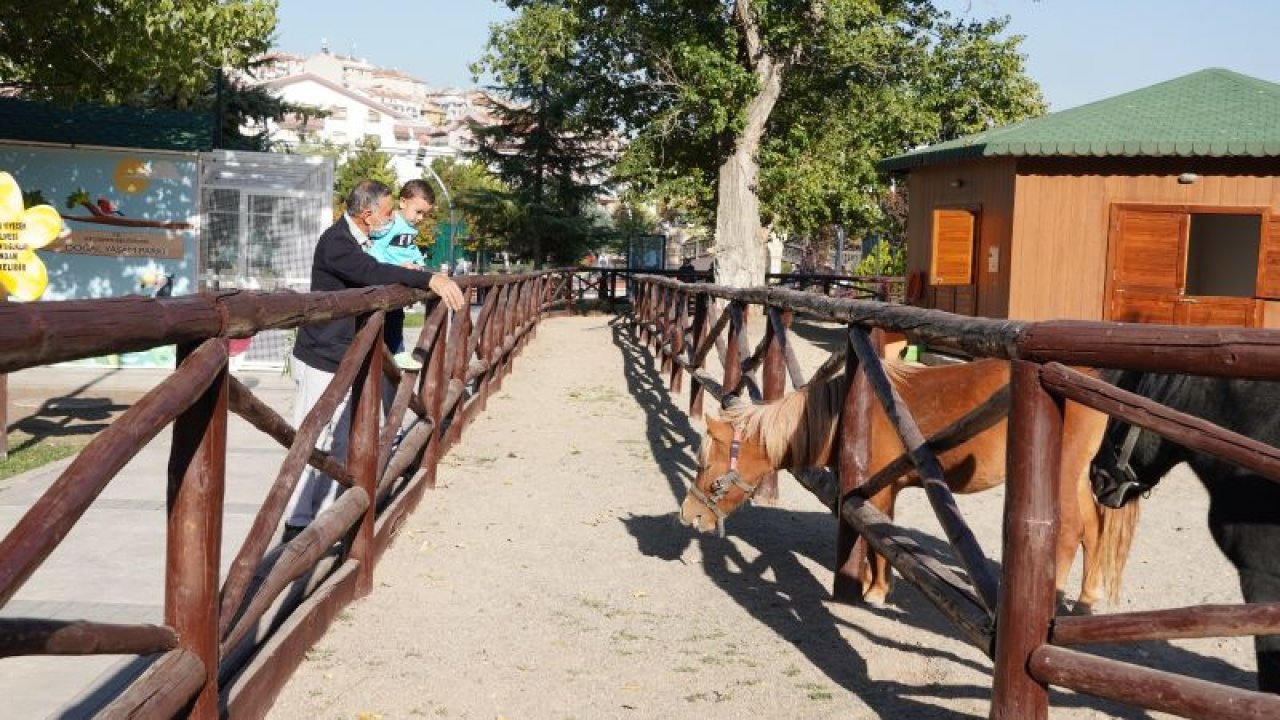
x=447 y=289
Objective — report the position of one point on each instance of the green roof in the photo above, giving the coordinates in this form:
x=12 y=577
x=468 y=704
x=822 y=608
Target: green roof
x=1210 y=113
x=122 y=127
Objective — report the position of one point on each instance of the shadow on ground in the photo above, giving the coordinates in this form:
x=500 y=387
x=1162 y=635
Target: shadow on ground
x=71 y=414
x=793 y=603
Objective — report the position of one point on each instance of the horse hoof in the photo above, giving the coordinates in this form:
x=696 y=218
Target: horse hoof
x=876 y=601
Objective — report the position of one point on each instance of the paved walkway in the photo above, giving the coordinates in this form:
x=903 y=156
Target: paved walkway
x=110 y=567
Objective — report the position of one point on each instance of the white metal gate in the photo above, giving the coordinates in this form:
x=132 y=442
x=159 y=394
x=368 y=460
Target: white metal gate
x=262 y=215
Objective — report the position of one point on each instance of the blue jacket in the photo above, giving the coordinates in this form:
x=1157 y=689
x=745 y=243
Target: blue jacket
x=399 y=245
x=340 y=264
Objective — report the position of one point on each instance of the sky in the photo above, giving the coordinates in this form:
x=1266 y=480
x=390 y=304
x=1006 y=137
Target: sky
x=1078 y=51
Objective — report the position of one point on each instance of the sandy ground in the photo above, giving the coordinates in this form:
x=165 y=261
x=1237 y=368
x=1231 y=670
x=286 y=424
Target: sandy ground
x=547 y=578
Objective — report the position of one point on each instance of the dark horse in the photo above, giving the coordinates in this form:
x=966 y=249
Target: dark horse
x=1244 y=507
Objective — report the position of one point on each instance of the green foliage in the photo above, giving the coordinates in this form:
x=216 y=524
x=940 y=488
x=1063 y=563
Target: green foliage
x=887 y=259
x=129 y=52
x=469 y=184
x=861 y=80
x=365 y=162
x=549 y=145
x=153 y=54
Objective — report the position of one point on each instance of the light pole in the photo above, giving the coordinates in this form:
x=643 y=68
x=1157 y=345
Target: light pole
x=447 y=198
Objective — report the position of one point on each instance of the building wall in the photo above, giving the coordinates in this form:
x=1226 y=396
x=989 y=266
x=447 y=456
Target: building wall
x=985 y=185
x=1062 y=215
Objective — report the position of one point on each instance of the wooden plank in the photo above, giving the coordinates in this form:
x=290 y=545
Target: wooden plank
x=854 y=458
x=53 y=515
x=262 y=533
x=362 y=453
x=298 y=557
x=33 y=636
x=1154 y=689
x=244 y=403
x=197 y=485
x=962 y=539
x=1188 y=622
x=948 y=592
x=1030 y=541
x=1235 y=352
x=780 y=322
x=697 y=340
x=254 y=691
x=163 y=691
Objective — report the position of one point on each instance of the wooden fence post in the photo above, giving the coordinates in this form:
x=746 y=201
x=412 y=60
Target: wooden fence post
x=362 y=454
x=732 y=357
x=676 y=382
x=1027 y=601
x=197 y=484
x=855 y=458
x=773 y=384
x=700 y=331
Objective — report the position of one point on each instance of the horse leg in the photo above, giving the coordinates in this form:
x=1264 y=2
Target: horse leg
x=1087 y=537
x=1261 y=586
x=1074 y=530
x=875 y=574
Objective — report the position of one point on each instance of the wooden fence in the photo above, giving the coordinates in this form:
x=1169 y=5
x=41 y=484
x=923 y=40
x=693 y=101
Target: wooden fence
x=1010 y=616
x=613 y=285
x=211 y=660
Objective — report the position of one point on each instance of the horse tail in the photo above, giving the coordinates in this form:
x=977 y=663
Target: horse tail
x=1114 y=544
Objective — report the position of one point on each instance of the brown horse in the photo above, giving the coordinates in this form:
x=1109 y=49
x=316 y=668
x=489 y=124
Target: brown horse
x=798 y=431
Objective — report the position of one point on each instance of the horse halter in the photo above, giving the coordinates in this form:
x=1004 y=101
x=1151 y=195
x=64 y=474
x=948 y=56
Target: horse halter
x=720 y=486
x=1118 y=491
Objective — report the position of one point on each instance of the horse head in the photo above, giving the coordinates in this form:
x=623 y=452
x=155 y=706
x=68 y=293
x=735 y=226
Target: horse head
x=729 y=471
x=1130 y=460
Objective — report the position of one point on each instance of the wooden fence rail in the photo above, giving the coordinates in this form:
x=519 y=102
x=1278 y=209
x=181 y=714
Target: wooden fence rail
x=213 y=661
x=1012 y=620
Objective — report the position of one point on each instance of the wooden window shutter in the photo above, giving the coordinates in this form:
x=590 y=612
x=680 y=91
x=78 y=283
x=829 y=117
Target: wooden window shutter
x=1150 y=251
x=953 y=243
x=1269 y=260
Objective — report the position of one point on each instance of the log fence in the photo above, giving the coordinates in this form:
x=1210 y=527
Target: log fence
x=210 y=660
x=1010 y=616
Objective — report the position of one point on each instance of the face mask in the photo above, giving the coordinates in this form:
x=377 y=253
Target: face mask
x=382 y=230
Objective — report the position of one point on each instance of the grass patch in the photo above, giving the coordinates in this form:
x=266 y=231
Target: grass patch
x=28 y=453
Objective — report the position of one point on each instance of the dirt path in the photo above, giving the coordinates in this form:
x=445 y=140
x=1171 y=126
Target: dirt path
x=547 y=578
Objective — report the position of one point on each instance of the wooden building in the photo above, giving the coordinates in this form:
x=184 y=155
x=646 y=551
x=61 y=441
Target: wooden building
x=1159 y=205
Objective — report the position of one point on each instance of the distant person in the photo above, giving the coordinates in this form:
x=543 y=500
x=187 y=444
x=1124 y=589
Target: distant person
x=398 y=245
x=686 y=272
x=340 y=263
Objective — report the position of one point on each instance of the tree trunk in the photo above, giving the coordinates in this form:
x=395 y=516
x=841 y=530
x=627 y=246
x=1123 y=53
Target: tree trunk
x=740 y=250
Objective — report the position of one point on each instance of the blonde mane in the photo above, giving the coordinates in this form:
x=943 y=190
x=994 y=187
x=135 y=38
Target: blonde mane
x=801 y=426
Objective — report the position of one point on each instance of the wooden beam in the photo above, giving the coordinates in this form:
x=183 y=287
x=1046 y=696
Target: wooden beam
x=32 y=636
x=1145 y=687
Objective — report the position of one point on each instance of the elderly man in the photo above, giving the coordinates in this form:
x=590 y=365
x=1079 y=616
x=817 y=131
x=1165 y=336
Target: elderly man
x=341 y=263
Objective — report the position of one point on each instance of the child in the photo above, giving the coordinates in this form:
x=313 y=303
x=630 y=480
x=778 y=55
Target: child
x=398 y=245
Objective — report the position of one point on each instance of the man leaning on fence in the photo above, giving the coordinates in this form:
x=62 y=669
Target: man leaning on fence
x=341 y=263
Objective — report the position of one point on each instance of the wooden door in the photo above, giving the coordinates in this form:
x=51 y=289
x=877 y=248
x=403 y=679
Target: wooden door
x=951 y=264
x=1148 y=266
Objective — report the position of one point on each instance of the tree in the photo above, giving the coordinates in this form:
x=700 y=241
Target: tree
x=548 y=147
x=115 y=52
x=761 y=111
x=168 y=55
x=469 y=183
x=365 y=162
